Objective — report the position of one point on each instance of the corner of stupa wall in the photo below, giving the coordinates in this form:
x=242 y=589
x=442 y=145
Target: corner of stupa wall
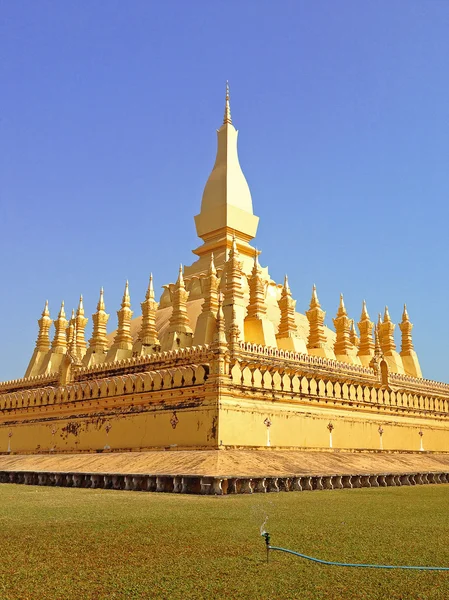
x=283 y=407
x=164 y=408
x=394 y=361
x=35 y=366
x=411 y=364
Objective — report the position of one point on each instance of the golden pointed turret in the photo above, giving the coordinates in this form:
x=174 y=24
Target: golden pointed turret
x=179 y=332
x=343 y=348
x=147 y=339
x=408 y=354
x=366 y=346
x=355 y=340
x=233 y=289
x=316 y=343
x=205 y=326
x=256 y=307
x=287 y=336
x=81 y=322
x=258 y=328
x=287 y=325
x=234 y=333
x=388 y=345
x=70 y=328
x=123 y=342
x=39 y=359
x=387 y=333
x=123 y=337
x=43 y=338
x=59 y=344
x=220 y=330
x=98 y=343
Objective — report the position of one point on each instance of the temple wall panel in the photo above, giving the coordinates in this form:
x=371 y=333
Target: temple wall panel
x=181 y=418
x=297 y=425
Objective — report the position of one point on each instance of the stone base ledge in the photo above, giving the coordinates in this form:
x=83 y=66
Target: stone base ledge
x=219 y=486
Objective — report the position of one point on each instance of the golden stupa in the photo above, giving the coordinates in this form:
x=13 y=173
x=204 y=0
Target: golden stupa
x=223 y=361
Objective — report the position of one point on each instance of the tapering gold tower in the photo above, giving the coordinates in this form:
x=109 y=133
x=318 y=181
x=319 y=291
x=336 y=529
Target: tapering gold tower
x=147 y=340
x=206 y=323
x=409 y=357
x=81 y=322
x=387 y=344
x=179 y=333
x=59 y=344
x=354 y=338
x=366 y=346
x=234 y=285
x=70 y=328
x=316 y=343
x=98 y=343
x=42 y=344
x=343 y=348
x=258 y=329
x=122 y=346
x=287 y=336
x=226 y=206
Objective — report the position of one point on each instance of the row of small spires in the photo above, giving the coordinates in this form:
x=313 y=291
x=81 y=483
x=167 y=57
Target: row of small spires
x=70 y=334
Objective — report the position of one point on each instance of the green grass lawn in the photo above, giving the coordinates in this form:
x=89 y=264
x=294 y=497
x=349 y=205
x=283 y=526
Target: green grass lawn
x=62 y=544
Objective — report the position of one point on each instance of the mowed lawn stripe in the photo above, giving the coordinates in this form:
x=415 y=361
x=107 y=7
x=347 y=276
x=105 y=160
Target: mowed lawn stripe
x=62 y=544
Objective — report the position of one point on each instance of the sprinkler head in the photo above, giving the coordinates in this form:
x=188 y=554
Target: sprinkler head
x=266 y=535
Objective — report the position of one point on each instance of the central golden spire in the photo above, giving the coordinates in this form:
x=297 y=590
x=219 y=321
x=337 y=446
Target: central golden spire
x=226 y=206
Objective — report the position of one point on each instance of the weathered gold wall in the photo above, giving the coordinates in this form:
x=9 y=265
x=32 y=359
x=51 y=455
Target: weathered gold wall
x=242 y=423
x=194 y=427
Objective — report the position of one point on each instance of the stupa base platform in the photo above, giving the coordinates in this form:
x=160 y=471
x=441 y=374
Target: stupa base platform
x=221 y=472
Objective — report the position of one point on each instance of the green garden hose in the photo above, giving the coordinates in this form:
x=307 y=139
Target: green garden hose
x=266 y=535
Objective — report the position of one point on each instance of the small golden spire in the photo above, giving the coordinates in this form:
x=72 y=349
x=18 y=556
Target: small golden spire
x=150 y=291
x=314 y=302
x=405 y=316
x=126 y=300
x=212 y=270
x=343 y=344
x=81 y=322
x=315 y=315
x=59 y=343
x=147 y=338
x=355 y=340
x=366 y=346
x=62 y=311
x=287 y=324
x=98 y=343
x=406 y=329
x=43 y=338
x=377 y=348
x=179 y=321
x=80 y=311
x=101 y=305
x=73 y=347
x=220 y=332
x=386 y=334
x=227 y=112
x=365 y=314
x=257 y=291
x=341 y=308
x=123 y=339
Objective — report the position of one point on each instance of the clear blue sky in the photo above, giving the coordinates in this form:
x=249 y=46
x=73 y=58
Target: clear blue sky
x=108 y=112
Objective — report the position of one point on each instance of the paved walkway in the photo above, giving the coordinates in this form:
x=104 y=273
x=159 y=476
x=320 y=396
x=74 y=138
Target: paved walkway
x=230 y=463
